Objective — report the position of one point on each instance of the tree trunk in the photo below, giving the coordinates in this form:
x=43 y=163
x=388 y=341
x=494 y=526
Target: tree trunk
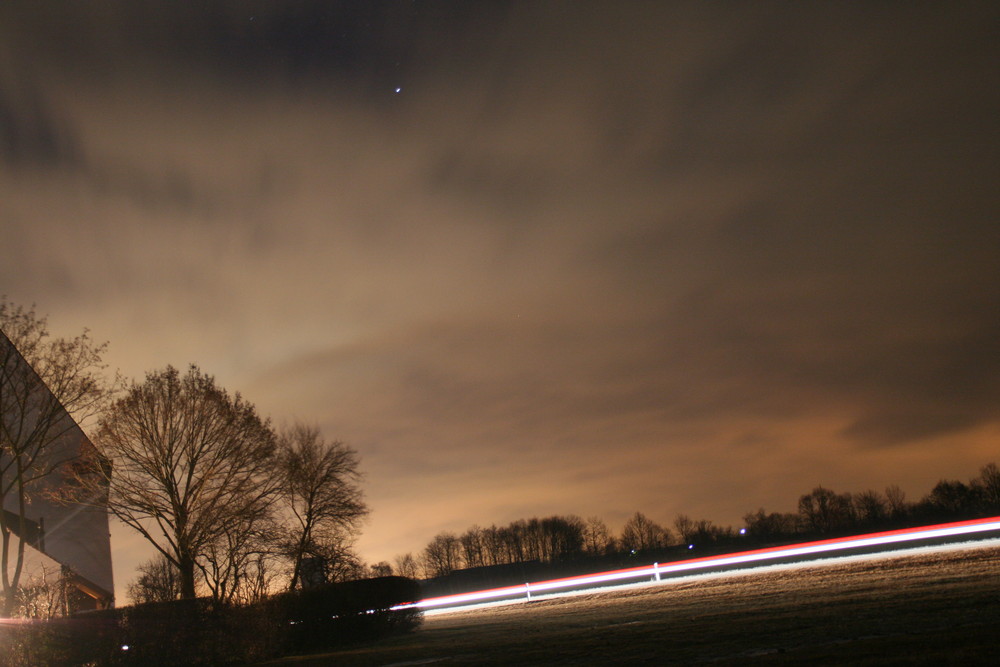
x=295 y=572
x=8 y=603
x=186 y=568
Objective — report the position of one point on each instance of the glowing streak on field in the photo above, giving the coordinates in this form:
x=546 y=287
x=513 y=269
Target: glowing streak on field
x=524 y=591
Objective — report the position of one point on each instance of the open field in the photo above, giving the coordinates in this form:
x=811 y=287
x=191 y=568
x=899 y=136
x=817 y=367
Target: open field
x=931 y=607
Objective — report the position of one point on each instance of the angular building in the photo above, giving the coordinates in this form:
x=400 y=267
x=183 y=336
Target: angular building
x=40 y=444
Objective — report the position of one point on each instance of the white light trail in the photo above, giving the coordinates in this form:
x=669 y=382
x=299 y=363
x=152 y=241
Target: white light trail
x=656 y=570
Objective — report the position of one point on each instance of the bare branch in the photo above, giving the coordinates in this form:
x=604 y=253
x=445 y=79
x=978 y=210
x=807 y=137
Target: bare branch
x=190 y=460
x=321 y=491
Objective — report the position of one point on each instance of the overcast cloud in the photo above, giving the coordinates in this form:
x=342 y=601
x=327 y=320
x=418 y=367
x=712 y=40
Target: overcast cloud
x=591 y=258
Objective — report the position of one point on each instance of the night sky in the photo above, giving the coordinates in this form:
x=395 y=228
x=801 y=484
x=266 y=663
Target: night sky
x=531 y=258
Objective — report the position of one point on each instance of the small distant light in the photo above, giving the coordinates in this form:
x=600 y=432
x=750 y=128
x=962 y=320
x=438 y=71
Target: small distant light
x=124 y=647
x=743 y=531
x=399 y=90
x=690 y=546
x=633 y=552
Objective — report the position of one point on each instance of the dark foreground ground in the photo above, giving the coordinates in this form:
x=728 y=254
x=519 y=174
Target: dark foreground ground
x=935 y=609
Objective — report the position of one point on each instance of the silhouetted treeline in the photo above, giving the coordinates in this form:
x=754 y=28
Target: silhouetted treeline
x=551 y=539
x=825 y=512
x=820 y=512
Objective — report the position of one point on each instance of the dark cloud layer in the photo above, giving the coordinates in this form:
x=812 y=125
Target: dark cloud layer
x=591 y=257
x=30 y=136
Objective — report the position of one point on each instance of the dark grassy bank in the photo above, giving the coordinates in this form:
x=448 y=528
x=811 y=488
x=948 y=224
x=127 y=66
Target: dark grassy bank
x=933 y=608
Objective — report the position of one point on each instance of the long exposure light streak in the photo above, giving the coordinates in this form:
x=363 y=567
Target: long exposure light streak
x=656 y=570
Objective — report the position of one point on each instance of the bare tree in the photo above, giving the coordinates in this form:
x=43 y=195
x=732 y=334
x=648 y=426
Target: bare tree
x=321 y=491
x=562 y=537
x=895 y=500
x=870 y=506
x=341 y=561
x=763 y=526
x=406 y=566
x=442 y=556
x=46 y=386
x=259 y=578
x=380 y=569
x=954 y=498
x=494 y=552
x=597 y=539
x=43 y=597
x=641 y=534
x=701 y=532
x=533 y=539
x=685 y=528
x=238 y=563
x=190 y=464
x=989 y=482
x=824 y=511
x=158 y=581
x=512 y=536
x=472 y=547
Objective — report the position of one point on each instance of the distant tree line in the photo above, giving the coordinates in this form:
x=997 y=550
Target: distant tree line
x=825 y=512
x=821 y=512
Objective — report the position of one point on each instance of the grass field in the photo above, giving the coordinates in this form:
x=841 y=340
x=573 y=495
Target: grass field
x=932 y=607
